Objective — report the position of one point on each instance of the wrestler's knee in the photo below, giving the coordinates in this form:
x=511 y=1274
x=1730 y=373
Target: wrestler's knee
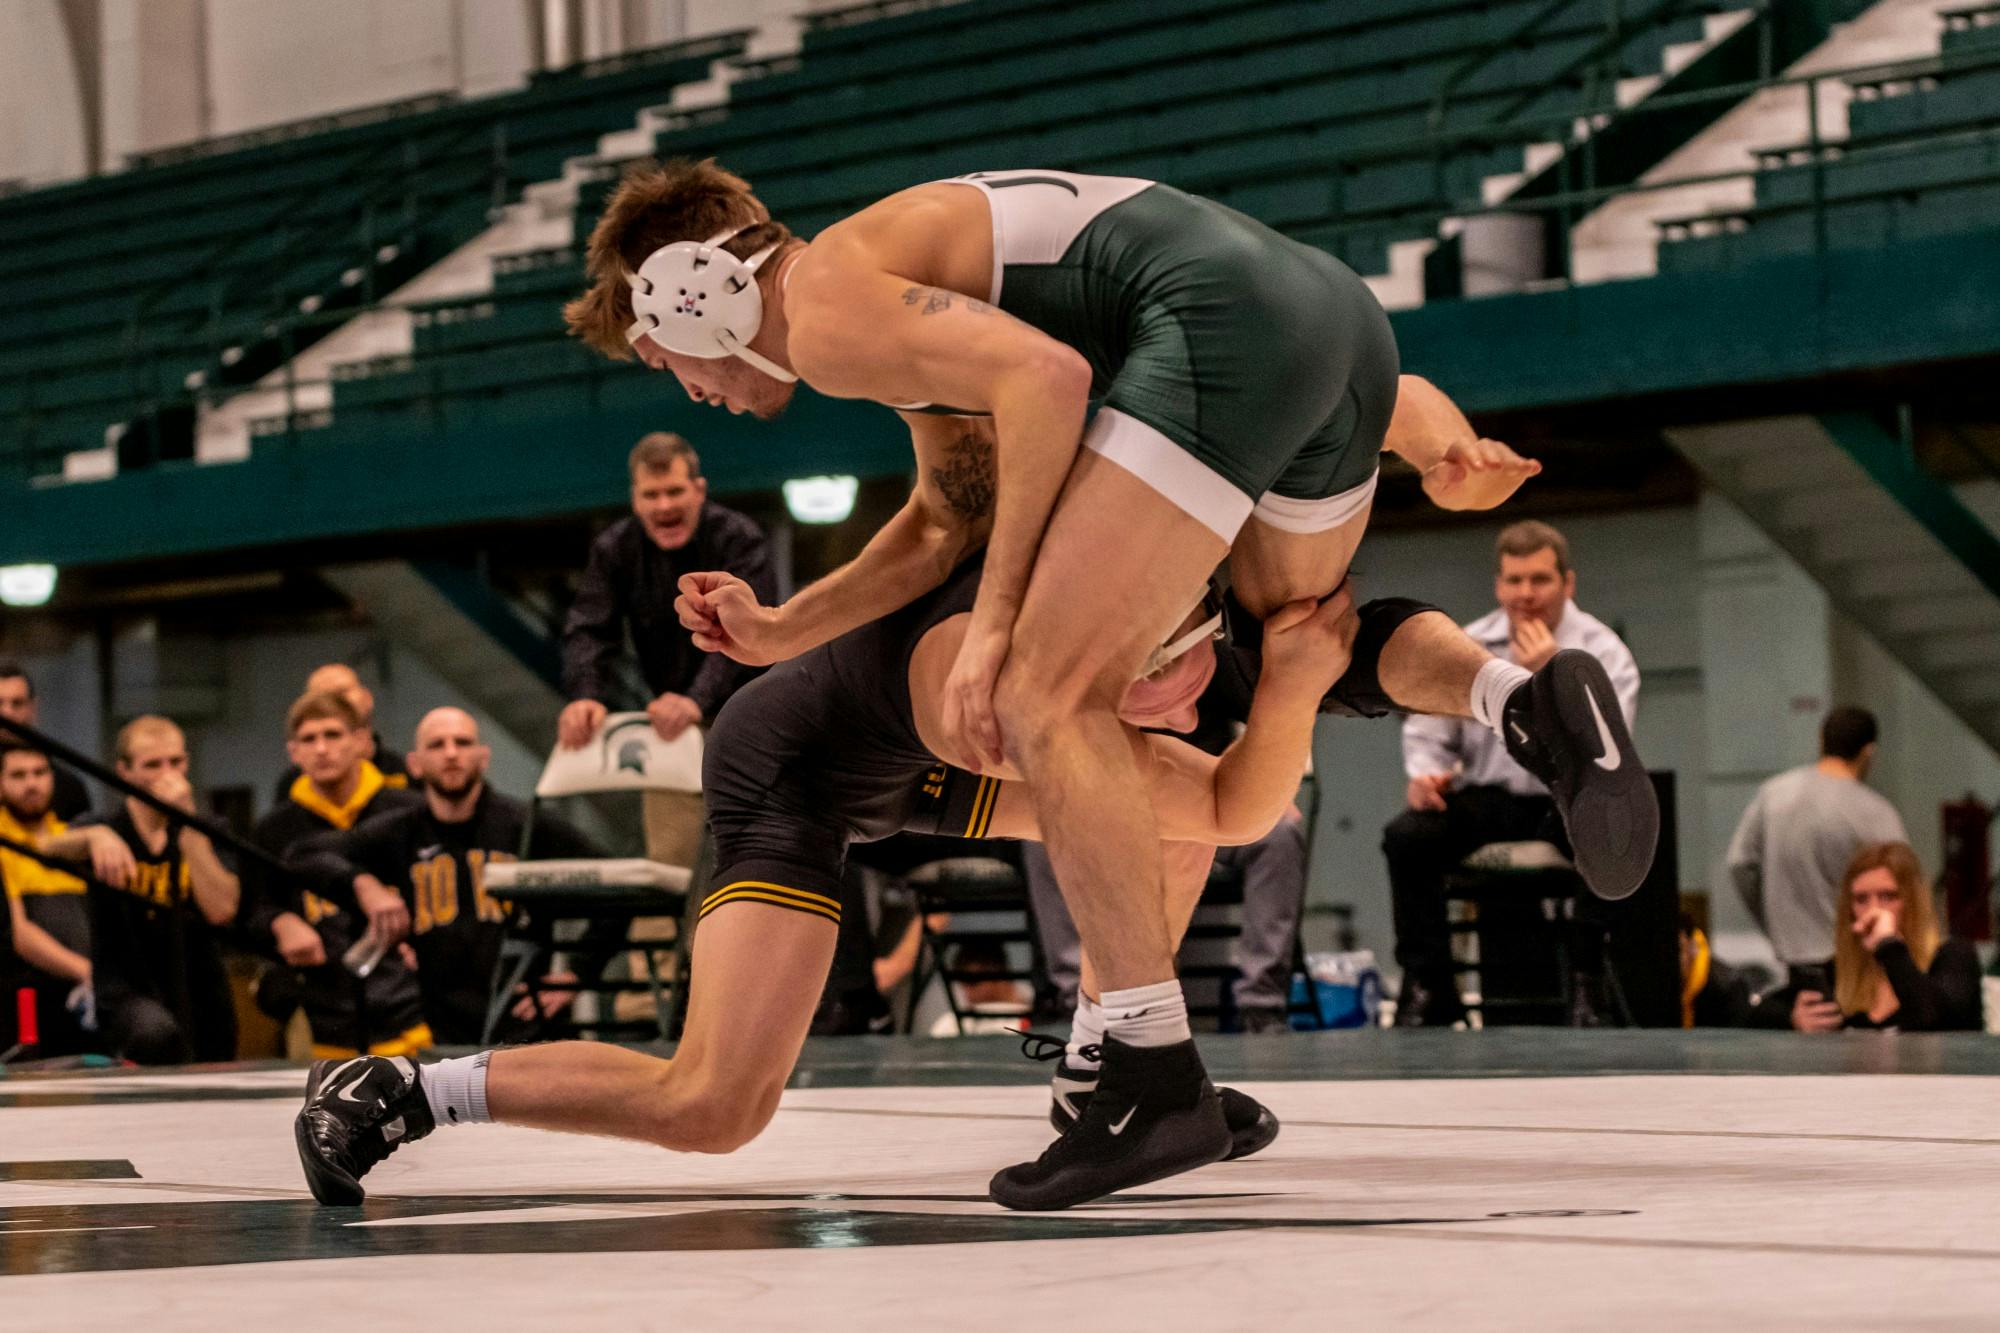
x=1037 y=700
x=700 y=1113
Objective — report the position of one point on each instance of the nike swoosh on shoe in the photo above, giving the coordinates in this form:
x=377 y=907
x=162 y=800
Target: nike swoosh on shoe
x=1610 y=759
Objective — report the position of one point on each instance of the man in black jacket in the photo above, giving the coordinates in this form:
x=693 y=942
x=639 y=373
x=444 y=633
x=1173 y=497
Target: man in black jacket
x=674 y=529
x=343 y=680
x=634 y=566
x=421 y=869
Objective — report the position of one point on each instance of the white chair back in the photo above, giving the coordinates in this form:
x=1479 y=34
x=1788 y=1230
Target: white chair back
x=625 y=755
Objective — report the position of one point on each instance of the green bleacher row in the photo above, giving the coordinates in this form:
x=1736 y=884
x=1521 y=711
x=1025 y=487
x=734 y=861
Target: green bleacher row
x=1107 y=35
x=1257 y=115
x=120 y=287
x=1252 y=103
x=1324 y=78
x=238 y=200
x=1278 y=171
x=1255 y=103
x=1390 y=187
x=552 y=104
x=1922 y=158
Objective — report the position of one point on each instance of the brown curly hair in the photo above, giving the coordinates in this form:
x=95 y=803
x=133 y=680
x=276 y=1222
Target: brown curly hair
x=657 y=204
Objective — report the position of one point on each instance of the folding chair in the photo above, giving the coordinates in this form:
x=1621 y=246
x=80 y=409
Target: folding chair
x=626 y=756
x=1515 y=905
x=979 y=902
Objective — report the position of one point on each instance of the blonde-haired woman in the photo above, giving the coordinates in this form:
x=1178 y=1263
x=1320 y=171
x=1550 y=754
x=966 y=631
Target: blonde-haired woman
x=1890 y=969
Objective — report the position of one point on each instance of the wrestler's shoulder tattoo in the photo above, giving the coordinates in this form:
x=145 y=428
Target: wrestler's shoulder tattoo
x=966 y=477
x=931 y=300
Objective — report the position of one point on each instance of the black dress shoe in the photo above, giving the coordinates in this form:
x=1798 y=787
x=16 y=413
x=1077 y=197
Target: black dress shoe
x=1419 y=1005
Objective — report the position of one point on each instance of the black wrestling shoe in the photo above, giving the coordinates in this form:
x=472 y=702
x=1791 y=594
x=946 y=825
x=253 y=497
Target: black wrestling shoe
x=1154 y=1114
x=1070 y=1088
x=357 y=1112
x=1424 y=1006
x=1565 y=727
x=1252 y=1126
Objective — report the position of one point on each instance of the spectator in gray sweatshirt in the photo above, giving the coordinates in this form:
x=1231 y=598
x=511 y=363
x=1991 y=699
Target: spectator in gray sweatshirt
x=1796 y=839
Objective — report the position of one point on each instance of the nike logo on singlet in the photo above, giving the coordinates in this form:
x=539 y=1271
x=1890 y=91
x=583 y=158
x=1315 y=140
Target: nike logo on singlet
x=1007 y=182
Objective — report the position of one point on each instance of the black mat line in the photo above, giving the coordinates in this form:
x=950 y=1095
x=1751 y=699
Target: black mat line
x=135 y=1236
x=109 y=1168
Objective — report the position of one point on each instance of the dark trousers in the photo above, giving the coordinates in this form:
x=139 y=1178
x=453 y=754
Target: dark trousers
x=144 y=1031
x=1274 y=900
x=1422 y=846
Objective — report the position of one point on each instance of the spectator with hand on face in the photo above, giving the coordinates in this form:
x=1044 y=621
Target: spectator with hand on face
x=1891 y=971
x=157 y=914
x=1465 y=791
x=631 y=580
x=1797 y=836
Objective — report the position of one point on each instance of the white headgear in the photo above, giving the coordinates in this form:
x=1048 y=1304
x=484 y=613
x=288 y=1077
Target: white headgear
x=695 y=298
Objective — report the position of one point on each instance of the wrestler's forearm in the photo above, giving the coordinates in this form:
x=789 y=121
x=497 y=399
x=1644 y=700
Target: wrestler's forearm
x=217 y=890
x=912 y=554
x=73 y=845
x=1425 y=423
x=1038 y=418
x=1258 y=777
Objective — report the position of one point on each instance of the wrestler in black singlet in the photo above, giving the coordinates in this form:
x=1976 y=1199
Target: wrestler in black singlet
x=821 y=751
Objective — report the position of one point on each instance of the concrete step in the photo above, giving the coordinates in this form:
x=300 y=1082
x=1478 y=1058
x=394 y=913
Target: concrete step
x=1402 y=287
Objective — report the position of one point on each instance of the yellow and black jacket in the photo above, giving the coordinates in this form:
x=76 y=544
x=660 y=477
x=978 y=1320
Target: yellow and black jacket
x=345 y=1012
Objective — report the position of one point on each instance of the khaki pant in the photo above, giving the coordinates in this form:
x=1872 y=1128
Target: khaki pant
x=674 y=822
x=674 y=825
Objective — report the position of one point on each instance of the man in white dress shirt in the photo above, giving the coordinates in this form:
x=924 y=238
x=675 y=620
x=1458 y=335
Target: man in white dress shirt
x=1465 y=791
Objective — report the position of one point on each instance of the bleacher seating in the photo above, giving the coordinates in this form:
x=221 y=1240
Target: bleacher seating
x=1353 y=126
x=1921 y=158
x=194 y=267
x=1312 y=117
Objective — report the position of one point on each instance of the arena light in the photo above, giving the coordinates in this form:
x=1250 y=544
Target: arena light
x=821 y=499
x=27 y=585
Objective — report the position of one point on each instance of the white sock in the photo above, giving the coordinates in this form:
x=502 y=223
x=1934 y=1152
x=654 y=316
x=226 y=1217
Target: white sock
x=1086 y=1028
x=1490 y=688
x=1154 y=1015
x=456 y=1090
